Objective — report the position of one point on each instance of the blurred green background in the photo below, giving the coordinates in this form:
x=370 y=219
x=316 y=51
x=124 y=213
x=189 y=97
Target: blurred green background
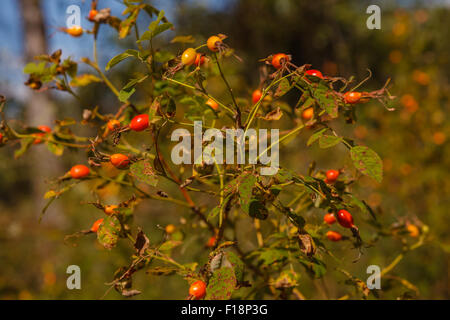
x=412 y=48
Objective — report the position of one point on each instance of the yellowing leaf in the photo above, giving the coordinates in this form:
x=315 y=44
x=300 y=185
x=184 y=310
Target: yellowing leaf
x=183 y=39
x=84 y=80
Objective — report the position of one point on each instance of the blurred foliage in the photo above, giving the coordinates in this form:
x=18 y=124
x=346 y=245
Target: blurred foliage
x=412 y=48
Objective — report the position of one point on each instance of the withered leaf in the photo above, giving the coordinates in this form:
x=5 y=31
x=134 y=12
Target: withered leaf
x=130 y=293
x=306 y=243
x=142 y=243
x=274 y=115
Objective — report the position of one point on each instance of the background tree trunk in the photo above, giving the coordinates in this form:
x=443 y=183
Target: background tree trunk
x=39 y=107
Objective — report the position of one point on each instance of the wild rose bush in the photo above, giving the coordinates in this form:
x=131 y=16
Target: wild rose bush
x=288 y=246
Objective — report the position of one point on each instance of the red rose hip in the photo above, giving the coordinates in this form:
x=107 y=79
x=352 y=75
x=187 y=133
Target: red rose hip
x=199 y=60
x=308 y=114
x=332 y=176
x=79 y=171
x=345 y=219
x=96 y=225
x=352 y=97
x=120 y=161
x=256 y=96
x=315 y=73
x=334 y=236
x=329 y=218
x=44 y=129
x=279 y=60
x=198 y=289
x=139 y=123
x=211 y=242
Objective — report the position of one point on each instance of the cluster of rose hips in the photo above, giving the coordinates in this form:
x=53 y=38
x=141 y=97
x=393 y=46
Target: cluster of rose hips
x=343 y=217
x=140 y=123
x=281 y=61
x=190 y=56
x=120 y=161
x=38 y=136
x=45 y=130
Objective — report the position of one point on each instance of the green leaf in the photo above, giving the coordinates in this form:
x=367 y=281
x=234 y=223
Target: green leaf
x=221 y=284
x=367 y=162
x=163 y=57
x=50 y=194
x=314 y=266
x=170 y=108
x=245 y=190
x=129 y=89
x=155 y=23
x=155 y=28
x=284 y=175
x=363 y=206
x=183 y=39
x=257 y=209
x=66 y=122
x=151 y=10
x=162 y=271
x=34 y=68
x=237 y=264
x=227 y=259
x=319 y=268
x=153 y=111
x=327 y=141
x=56 y=149
x=315 y=136
x=119 y=58
x=273 y=255
x=108 y=232
x=327 y=100
x=124 y=95
x=148 y=35
x=287 y=279
x=161 y=28
x=143 y=171
x=53 y=195
x=71 y=67
x=214 y=212
x=128 y=23
x=297 y=220
x=275 y=190
x=25 y=144
x=48 y=204
x=283 y=88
